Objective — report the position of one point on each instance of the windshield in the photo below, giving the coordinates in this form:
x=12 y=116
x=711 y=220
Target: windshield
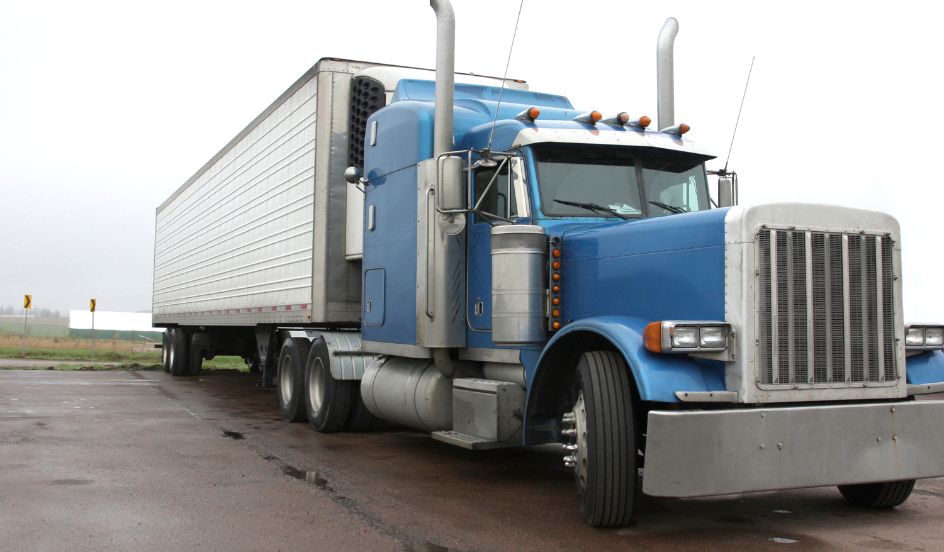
x=618 y=181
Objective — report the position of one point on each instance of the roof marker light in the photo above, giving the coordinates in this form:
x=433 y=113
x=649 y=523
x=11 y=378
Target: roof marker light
x=529 y=114
x=624 y=119
x=592 y=117
x=678 y=130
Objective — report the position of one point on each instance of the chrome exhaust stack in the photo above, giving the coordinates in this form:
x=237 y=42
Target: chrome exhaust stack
x=445 y=75
x=665 y=73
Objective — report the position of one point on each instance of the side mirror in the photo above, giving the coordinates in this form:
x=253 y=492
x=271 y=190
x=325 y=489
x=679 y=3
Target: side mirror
x=353 y=175
x=727 y=193
x=450 y=195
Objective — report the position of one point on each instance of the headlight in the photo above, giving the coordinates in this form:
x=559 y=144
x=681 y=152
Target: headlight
x=923 y=337
x=682 y=336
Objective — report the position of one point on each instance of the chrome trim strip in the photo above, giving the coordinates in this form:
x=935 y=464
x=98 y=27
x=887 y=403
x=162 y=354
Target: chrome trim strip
x=846 y=316
x=810 y=343
x=774 y=312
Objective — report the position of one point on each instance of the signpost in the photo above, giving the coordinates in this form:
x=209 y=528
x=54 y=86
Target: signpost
x=92 y=309
x=27 y=305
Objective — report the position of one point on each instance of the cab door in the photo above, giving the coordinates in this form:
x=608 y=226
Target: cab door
x=505 y=201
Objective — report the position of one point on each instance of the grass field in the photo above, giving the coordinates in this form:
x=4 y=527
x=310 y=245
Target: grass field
x=37 y=329
x=111 y=350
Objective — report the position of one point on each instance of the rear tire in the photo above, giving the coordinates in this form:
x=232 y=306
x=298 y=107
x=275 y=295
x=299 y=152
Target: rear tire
x=291 y=388
x=179 y=351
x=878 y=495
x=360 y=418
x=165 y=350
x=200 y=344
x=605 y=470
x=327 y=400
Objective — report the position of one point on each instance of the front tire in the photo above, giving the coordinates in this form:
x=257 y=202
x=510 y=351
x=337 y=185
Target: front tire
x=878 y=495
x=327 y=400
x=291 y=389
x=605 y=459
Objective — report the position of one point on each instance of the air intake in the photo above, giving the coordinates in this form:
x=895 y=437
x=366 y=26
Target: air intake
x=367 y=96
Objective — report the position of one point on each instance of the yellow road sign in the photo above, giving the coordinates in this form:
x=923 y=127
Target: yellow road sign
x=92 y=304
x=27 y=302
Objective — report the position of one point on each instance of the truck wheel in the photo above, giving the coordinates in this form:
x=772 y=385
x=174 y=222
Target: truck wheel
x=179 y=351
x=291 y=380
x=604 y=452
x=165 y=350
x=199 y=345
x=360 y=419
x=878 y=495
x=328 y=400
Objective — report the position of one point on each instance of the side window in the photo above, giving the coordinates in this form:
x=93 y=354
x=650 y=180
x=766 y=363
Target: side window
x=507 y=195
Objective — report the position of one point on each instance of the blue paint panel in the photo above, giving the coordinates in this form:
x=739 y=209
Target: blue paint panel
x=657 y=376
x=925 y=368
x=392 y=246
x=652 y=269
x=374 y=297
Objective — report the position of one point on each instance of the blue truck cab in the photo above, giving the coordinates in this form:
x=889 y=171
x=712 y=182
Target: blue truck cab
x=534 y=273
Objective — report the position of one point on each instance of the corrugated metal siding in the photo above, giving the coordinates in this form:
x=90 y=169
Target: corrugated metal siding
x=240 y=236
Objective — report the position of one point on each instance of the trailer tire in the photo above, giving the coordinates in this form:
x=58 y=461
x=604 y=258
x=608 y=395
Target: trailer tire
x=179 y=357
x=200 y=344
x=291 y=388
x=605 y=472
x=165 y=350
x=327 y=400
x=888 y=494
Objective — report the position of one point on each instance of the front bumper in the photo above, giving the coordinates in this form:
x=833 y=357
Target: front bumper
x=699 y=453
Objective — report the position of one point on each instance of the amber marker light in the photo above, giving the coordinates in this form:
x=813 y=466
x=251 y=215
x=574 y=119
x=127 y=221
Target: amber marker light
x=555 y=277
x=555 y=253
x=529 y=114
x=555 y=265
x=652 y=337
x=555 y=301
x=555 y=288
x=555 y=325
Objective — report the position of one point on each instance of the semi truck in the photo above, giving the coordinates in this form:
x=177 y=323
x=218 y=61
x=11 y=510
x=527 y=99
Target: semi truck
x=467 y=257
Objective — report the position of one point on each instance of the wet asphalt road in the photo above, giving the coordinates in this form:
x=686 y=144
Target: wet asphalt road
x=143 y=461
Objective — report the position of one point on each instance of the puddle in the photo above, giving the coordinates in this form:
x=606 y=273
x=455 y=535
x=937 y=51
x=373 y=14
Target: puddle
x=233 y=434
x=74 y=481
x=429 y=547
x=311 y=477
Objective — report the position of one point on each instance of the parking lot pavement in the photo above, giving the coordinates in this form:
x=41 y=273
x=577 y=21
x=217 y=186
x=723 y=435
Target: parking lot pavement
x=143 y=461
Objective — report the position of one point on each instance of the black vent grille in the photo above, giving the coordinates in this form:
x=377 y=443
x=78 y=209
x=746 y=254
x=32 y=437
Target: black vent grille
x=367 y=96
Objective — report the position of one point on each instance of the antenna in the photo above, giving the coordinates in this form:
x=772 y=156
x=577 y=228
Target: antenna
x=501 y=91
x=741 y=108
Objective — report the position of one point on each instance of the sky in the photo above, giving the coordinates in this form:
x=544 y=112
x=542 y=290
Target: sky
x=106 y=108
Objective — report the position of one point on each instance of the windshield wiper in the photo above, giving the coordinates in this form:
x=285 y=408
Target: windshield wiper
x=593 y=207
x=670 y=208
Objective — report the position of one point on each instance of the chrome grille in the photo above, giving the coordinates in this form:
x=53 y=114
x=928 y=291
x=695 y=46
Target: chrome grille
x=825 y=308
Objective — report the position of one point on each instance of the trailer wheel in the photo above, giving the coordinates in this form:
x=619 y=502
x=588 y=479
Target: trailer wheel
x=179 y=351
x=199 y=349
x=878 y=495
x=327 y=400
x=604 y=458
x=165 y=350
x=291 y=390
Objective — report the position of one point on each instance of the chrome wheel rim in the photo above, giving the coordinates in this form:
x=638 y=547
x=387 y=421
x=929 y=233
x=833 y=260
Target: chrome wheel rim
x=580 y=424
x=316 y=385
x=286 y=379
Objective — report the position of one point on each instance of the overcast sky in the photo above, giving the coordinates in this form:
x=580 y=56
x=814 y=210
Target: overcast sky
x=107 y=107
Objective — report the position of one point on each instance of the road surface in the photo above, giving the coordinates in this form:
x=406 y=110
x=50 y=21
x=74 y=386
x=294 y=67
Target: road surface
x=127 y=460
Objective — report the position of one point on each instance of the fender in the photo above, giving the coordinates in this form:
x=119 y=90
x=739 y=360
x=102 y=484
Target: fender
x=925 y=368
x=656 y=376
